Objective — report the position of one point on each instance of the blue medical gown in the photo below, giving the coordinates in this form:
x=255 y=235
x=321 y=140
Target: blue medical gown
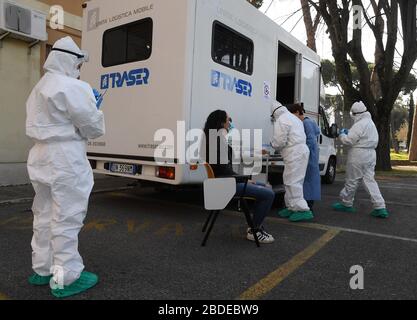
x=312 y=182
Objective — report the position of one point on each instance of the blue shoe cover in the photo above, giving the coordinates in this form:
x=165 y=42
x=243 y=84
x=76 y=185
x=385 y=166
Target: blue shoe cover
x=86 y=281
x=285 y=213
x=301 y=216
x=37 y=280
x=380 y=213
x=342 y=208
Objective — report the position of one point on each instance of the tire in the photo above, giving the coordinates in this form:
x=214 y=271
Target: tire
x=330 y=175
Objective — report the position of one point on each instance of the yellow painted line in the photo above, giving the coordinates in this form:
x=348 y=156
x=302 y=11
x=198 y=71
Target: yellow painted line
x=99 y=224
x=134 y=227
x=268 y=283
x=307 y=225
x=235 y=214
x=5 y=222
x=3 y=297
x=179 y=230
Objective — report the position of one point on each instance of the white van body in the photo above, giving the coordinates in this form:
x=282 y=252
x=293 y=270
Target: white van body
x=181 y=81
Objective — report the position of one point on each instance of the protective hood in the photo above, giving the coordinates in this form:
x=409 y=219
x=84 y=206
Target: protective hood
x=358 y=107
x=63 y=62
x=281 y=111
x=358 y=110
x=277 y=110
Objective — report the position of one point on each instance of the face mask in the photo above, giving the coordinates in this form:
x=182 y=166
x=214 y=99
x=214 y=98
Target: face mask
x=231 y=126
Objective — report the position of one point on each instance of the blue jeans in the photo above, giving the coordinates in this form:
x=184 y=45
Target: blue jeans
x=264 y=200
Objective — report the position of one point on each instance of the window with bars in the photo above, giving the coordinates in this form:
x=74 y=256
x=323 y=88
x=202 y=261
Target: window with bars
x=232 y=49
x=128 y=43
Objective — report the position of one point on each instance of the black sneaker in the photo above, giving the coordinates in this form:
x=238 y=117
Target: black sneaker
x=263 y=236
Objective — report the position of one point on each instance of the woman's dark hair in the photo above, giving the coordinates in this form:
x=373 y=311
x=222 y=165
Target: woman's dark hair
x=296 y=107
x=215 y=121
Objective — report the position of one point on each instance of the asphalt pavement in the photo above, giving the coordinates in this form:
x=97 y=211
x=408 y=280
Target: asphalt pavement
x=145 y=245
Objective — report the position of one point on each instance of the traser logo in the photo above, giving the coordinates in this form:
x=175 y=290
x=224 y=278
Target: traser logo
x=131 y=78
x=229 y=83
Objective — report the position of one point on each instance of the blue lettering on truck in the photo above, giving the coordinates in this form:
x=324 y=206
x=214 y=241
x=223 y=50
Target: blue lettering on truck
x=229 y=83
x=131 y=78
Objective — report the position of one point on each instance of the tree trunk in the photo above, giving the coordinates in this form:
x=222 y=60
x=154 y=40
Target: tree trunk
x=410 y=121
x=336 y=15
x=413 y=145
x=383 y=162
x=308 y=22
x=395 y=144
x=379 y=54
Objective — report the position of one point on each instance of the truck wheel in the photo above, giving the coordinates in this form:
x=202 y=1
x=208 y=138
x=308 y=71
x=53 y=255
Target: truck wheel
x=330 y=175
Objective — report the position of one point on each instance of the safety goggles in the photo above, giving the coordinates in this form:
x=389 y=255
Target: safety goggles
x=82 y=56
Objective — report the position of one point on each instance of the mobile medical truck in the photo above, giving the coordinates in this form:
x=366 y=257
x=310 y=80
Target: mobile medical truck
x=158 y=62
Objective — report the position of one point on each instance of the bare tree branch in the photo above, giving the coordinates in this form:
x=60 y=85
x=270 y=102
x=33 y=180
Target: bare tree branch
x=355 y=52
x=377 y=34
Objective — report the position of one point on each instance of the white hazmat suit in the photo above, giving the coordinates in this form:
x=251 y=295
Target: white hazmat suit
x=61 y=116
x=290 y=139
x=363 y=138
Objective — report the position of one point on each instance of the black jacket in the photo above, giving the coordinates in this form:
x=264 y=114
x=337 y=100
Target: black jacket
x=222 y=170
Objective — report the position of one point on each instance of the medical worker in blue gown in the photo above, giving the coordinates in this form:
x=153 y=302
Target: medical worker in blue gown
x=312 y=181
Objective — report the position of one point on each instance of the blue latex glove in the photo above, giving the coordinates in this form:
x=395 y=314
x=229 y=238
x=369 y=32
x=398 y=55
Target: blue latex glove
x=344 y=132
x=99 y=98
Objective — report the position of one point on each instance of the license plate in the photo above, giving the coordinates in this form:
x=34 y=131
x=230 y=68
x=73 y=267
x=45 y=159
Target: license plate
x=124 y=168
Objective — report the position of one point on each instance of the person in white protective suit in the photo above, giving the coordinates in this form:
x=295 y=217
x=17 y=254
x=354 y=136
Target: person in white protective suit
x=360 y=168
x=290 y=139
x=62 y=113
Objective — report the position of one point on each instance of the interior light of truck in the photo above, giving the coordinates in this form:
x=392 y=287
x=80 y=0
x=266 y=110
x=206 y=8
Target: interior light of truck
x=165 y=173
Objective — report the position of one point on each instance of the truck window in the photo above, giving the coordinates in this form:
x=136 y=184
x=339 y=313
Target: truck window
x=127 y=43
x=232 y=49
x=324 y=123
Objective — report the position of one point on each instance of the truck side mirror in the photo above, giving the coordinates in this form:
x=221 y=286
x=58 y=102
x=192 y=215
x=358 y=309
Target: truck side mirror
x=334 y=131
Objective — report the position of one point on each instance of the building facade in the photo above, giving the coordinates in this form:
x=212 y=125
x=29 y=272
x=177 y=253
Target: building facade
x=20 y=70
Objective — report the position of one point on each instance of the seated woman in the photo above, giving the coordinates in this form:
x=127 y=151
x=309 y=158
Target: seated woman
x=219 y=122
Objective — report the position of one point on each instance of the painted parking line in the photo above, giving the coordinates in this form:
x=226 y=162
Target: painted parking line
x=412 y=205
x=316 y=226
x=26 y=200
x=3 y=297
x=15 y=201
x=272 y=280
x=340 y=229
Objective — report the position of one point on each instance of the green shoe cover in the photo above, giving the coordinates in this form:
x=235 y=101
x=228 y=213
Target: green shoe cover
x=37 y=280
x=342 y=208
x=301 y=216
x=380 y=213
x=86 y=281
x=285 y=213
